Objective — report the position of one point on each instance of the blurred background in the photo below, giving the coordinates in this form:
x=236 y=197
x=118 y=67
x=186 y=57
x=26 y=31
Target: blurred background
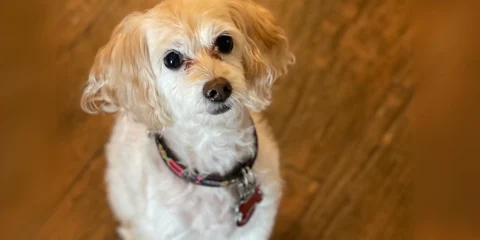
x=344 y=117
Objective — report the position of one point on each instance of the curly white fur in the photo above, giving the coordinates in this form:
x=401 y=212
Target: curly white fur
x=129 y=78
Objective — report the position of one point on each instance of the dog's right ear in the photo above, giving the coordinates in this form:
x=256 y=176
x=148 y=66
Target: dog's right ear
x=122 y=76
x=267 y=54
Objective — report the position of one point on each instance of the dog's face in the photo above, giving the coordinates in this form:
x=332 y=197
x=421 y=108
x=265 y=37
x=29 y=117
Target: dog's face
x=189 y=59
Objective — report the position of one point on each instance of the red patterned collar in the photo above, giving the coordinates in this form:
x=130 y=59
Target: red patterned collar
x=212 y=180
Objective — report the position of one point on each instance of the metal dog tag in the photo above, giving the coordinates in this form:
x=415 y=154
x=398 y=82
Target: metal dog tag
x=250 y=195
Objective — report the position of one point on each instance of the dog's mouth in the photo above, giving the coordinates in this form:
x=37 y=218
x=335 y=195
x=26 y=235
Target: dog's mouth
x=223 y=108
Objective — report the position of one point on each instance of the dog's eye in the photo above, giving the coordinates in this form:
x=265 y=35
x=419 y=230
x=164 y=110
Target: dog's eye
x=224 y=44
x=173 y=60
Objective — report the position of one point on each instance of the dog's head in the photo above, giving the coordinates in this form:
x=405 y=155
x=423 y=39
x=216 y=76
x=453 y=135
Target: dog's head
x=185 y=59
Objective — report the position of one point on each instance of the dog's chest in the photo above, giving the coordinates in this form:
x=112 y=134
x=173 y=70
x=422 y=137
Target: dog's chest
x=207 y=206
x=198 y=209
x=212 y=151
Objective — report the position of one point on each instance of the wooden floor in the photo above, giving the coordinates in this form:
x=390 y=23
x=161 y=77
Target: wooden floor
x=339 y=117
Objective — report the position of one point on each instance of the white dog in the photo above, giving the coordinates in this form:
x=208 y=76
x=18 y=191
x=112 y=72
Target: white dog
x=190 y=156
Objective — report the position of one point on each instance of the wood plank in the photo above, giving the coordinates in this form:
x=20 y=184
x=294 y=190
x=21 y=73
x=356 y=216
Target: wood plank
x=369 y=201
x=297 y=196
x=44 y=183
x=83 y=213
x=341 y=78
x=72 y=18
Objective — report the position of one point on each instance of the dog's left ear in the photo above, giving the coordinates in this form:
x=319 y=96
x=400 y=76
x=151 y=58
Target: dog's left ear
x=267 y=54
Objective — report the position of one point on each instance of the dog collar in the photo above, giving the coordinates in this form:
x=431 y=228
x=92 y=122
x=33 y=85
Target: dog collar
x=249 y=193
x=212 y=180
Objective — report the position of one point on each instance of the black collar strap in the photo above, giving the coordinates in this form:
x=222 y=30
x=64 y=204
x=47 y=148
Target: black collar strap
x=213 y=180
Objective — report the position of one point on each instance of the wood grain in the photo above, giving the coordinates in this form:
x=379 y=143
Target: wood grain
x=83 y=213
x=339 y=116
x=298 y=193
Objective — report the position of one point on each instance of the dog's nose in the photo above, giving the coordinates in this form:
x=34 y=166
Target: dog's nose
x=217 y=90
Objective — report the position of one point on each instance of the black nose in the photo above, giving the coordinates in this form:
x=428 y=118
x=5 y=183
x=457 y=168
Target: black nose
x=217 y=90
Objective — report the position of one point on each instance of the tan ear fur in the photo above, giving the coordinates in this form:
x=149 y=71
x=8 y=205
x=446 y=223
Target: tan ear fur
x=267 y=50
x=122 y=76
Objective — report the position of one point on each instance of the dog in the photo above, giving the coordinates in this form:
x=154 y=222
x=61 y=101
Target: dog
x=190 y=155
